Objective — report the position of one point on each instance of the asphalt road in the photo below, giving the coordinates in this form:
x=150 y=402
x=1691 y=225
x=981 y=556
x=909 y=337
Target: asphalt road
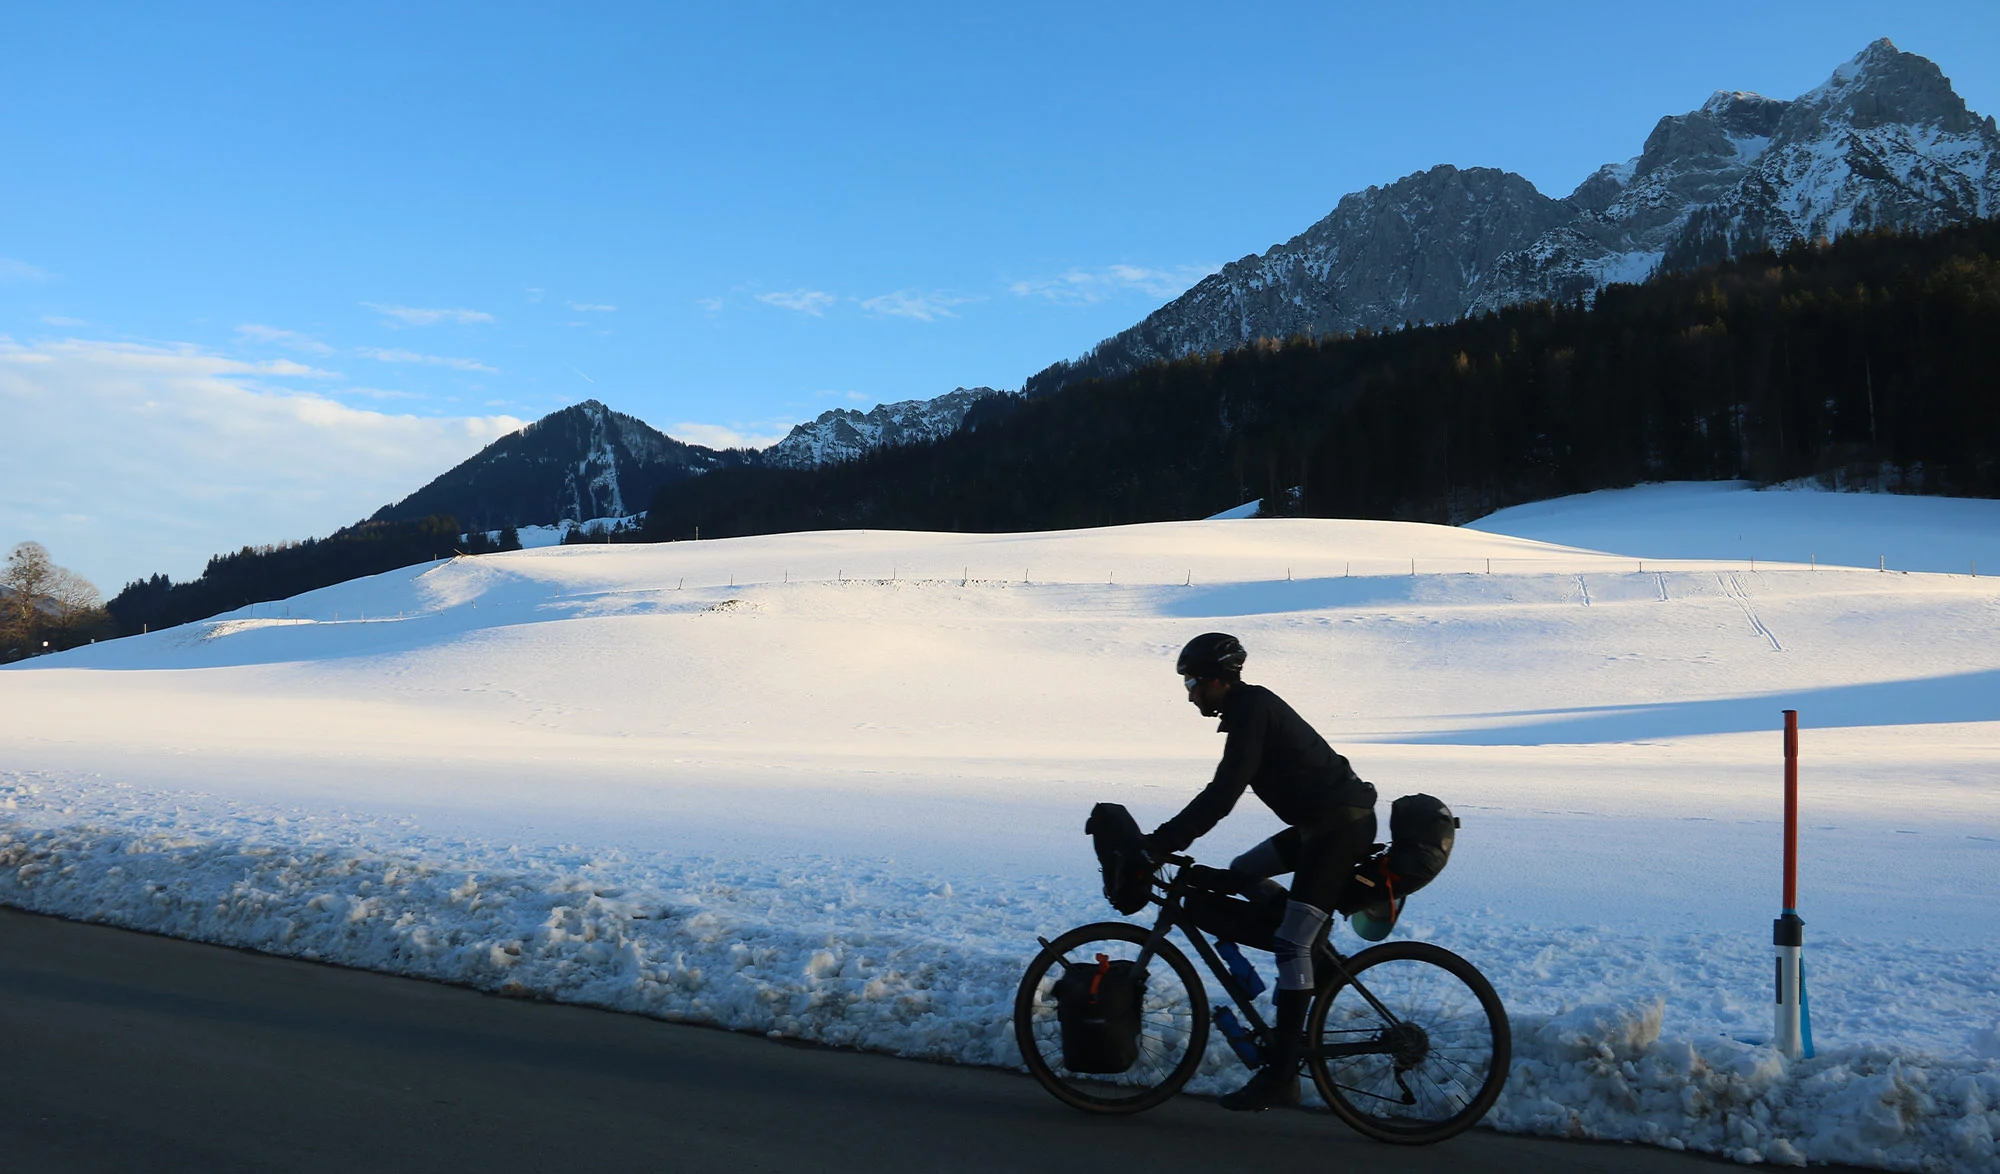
x=126 y=1052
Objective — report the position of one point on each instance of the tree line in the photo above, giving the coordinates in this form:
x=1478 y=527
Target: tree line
x=1873 y=358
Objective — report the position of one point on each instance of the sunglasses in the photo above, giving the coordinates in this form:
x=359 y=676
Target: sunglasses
x=1191 y=683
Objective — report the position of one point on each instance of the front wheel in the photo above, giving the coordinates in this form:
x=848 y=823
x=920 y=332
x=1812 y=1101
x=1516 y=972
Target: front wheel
x=1427 y=1070
x=1173 y=1021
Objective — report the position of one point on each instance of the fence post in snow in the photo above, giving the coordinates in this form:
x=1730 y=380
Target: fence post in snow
x=1793 y=1033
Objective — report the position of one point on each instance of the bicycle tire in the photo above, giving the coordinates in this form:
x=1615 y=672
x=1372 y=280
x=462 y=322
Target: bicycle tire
x=1034 y=1017
x=1461 y=1038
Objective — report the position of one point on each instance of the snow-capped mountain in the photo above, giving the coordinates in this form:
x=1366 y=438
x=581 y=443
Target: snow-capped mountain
x=844 y=433
x=1884 y=142
x=582 y=462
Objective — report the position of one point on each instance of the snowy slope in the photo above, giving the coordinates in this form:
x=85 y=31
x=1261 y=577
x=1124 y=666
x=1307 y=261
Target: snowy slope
x=1730 y=520
x=831 y=785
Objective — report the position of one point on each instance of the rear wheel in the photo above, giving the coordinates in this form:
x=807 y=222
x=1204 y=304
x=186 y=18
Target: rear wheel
x=1430 y=1072
x=1173 y=1024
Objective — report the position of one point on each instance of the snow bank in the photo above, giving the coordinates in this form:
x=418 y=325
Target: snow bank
x=1603 y=1071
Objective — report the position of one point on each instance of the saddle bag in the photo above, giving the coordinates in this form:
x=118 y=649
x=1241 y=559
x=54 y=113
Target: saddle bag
x=1097 y=1007
x=1128 y=878
x=1422 y=831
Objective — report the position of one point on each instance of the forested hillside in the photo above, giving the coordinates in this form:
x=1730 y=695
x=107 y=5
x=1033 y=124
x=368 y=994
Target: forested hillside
x=1878 y=354
x=256 y=574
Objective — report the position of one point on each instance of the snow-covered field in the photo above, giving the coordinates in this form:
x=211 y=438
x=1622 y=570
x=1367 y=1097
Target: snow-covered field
x=832 y=785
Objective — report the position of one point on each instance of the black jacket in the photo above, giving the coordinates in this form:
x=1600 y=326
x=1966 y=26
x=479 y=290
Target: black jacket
x=1272 y=751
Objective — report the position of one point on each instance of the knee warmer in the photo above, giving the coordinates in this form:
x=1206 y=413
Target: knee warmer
x=1294 y=942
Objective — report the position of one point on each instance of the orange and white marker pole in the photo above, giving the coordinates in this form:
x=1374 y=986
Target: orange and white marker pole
x=1793 y=1032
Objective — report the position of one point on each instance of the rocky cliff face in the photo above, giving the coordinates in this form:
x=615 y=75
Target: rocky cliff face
x=844 y=433
x=1885 y=142
x=577 y=464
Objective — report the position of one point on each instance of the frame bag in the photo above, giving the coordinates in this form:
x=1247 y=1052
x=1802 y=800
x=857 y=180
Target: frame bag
x=1097 y=1006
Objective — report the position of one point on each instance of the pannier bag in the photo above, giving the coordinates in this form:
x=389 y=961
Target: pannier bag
x=1097 y=1007
x=1422 y=831
x=1128 y=879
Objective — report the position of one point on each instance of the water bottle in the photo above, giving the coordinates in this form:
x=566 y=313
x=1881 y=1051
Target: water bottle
x=1241 y=969
x=1238 y=1037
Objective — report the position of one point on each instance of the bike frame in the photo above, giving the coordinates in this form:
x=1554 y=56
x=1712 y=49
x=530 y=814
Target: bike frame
x=1169 y=895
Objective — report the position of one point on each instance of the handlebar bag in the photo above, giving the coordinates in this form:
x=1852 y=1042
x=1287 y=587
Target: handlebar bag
x=1128 y=876
x=1097 y=1007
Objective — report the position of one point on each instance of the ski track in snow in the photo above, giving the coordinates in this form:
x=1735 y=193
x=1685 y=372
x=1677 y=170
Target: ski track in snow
x=1732 y=585
x=462 y=794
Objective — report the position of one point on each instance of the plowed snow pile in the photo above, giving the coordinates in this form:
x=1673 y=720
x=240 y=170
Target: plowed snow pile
x=832 y=785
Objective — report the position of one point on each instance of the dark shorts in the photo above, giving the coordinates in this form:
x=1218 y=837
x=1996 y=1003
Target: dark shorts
x=1322 y=855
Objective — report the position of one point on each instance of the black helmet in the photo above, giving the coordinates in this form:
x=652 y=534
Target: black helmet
x=1212 y=654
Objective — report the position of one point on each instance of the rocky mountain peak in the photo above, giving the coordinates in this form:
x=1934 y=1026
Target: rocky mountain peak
x=581 y=462
x=1885 y=142
x=1882 y=85
x=841 y=434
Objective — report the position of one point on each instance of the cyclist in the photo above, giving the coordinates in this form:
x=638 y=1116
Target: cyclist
x=1331 y=813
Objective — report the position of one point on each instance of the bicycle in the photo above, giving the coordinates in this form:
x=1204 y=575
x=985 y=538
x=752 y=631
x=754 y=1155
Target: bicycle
x=1416 y=1053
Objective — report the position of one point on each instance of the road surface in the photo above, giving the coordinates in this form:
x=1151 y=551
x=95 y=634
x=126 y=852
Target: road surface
x=127 y=1052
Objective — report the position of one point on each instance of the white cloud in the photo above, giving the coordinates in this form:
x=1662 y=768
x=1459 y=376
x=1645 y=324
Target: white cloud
x=416 y=316
x=924 y=307
x=12 y=270
x=389 y=355
x=712 y=305
x=534 y=293
x=155 y=457
x=592 y=308
x=763 y=434
x=284 y=338
x=59 y=320
x=1081 y=286
x=805 y=301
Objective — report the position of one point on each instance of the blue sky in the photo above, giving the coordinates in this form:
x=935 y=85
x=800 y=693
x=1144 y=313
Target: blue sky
x=421 y=224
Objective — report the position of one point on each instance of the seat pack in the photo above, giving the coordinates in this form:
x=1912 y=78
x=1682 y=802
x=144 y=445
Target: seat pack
x=1422 y=831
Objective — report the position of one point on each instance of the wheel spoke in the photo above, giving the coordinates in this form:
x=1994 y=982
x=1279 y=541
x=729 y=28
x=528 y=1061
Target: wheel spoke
x=1442 y=1058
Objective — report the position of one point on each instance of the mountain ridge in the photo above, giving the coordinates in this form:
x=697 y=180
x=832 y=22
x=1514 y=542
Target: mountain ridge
x=1884 y=142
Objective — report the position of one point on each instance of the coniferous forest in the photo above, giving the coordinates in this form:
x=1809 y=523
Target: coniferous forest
x=256 y=574
x=1876 y=357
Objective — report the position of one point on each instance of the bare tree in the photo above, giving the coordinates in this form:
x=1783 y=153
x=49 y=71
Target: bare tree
x=22 y=582
x=74 y=604
x=40 y=601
